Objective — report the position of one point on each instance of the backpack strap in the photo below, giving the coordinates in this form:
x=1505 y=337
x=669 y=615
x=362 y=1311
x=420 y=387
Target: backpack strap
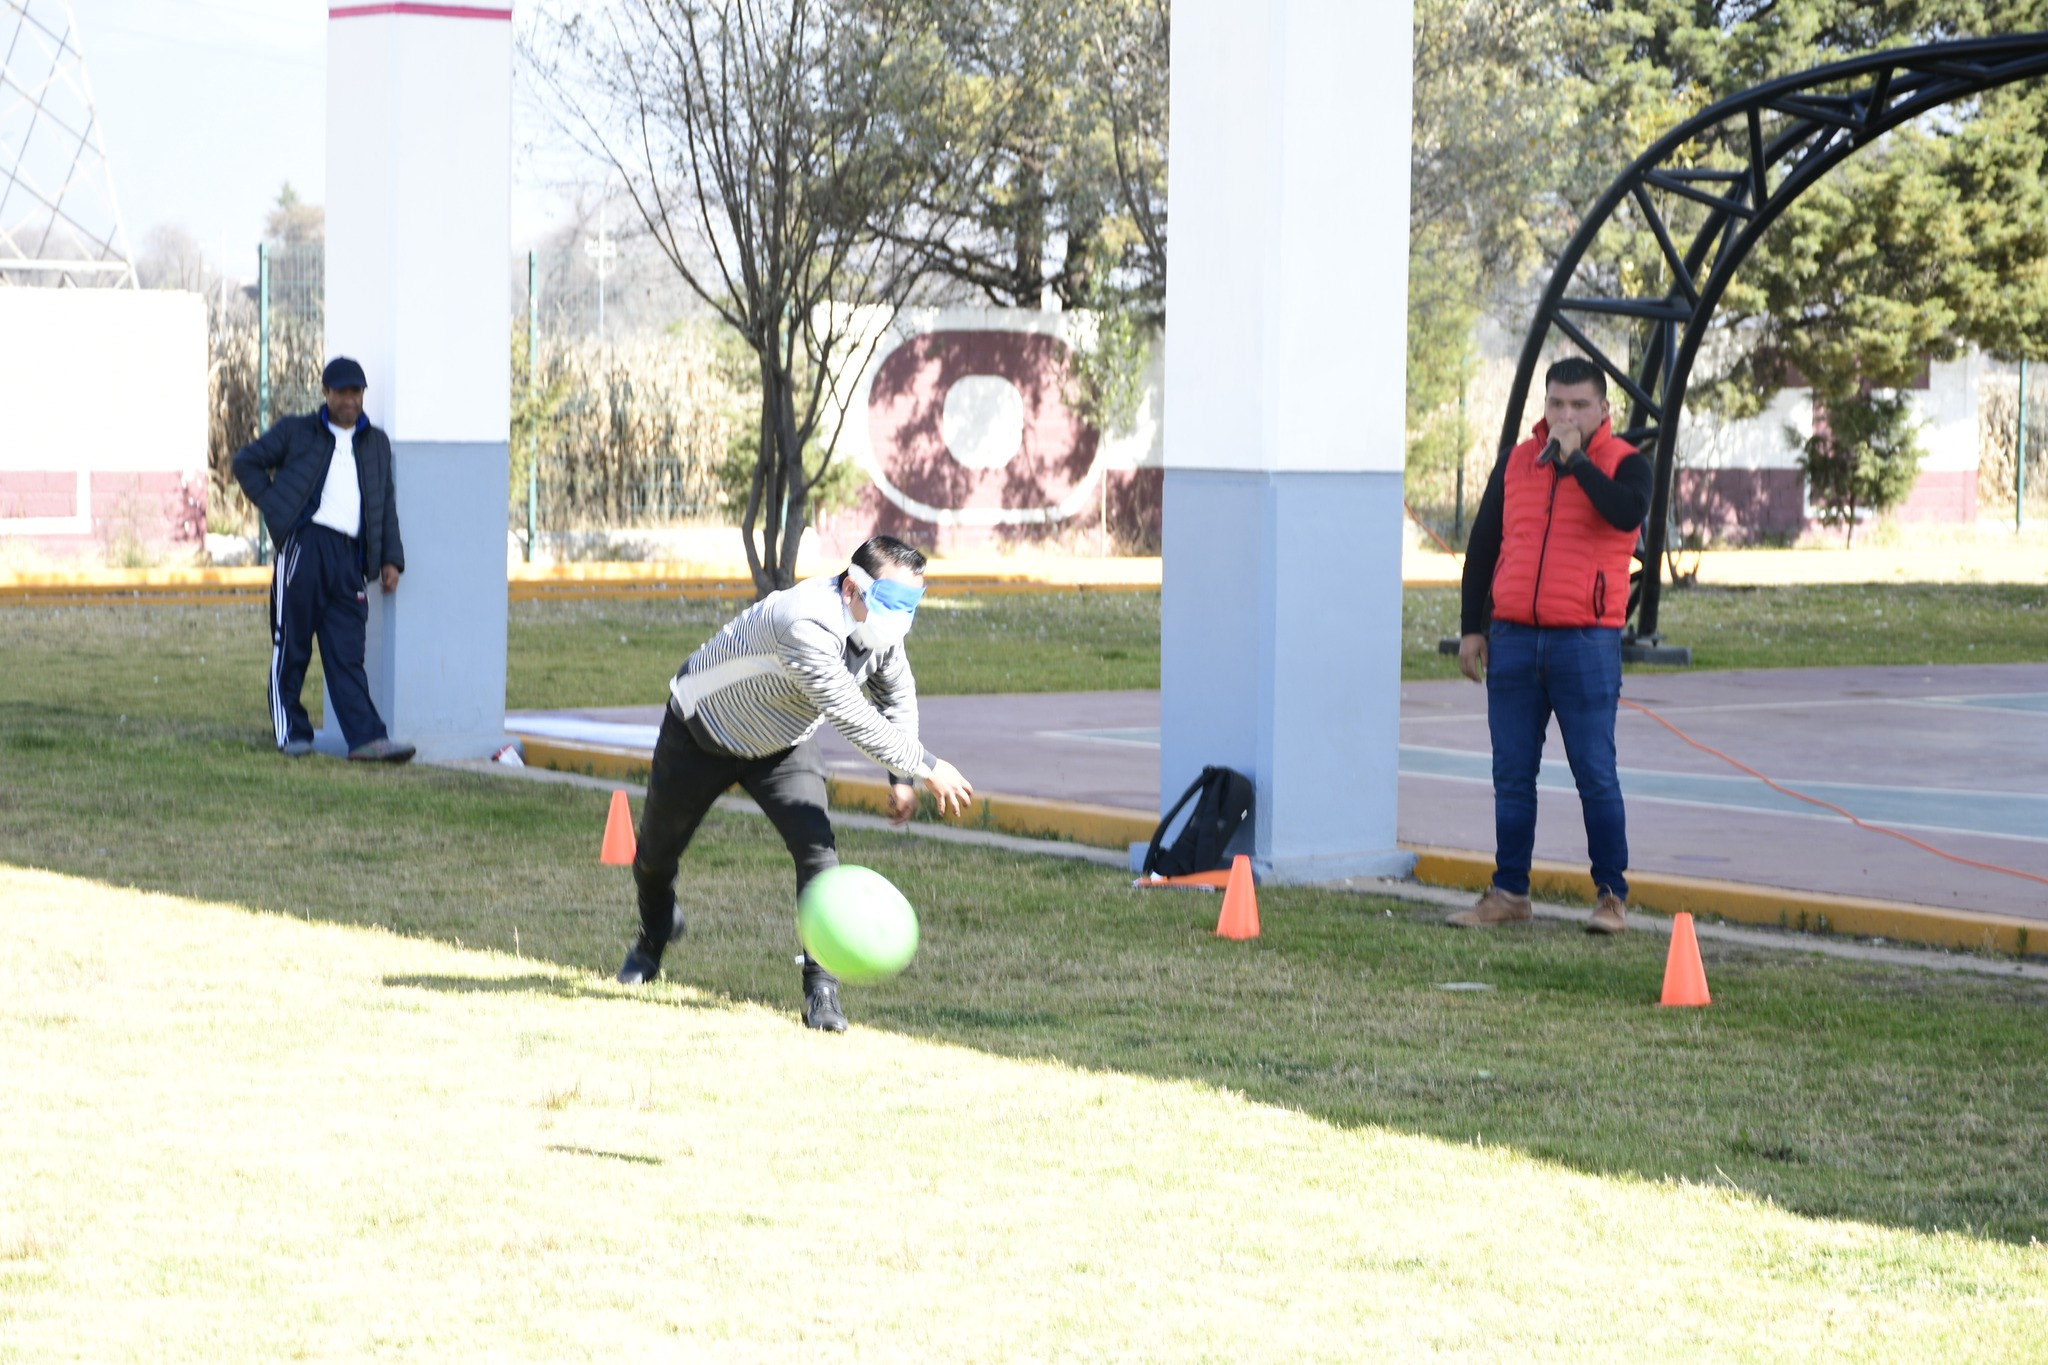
x=1166 y=823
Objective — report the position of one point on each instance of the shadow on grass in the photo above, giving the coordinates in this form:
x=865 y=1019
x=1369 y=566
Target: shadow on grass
x=633 y=1157
x=1834 y=1089
x=560 y=987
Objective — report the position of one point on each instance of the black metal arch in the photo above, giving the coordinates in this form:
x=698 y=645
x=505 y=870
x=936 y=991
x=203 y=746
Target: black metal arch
x=1815 y=120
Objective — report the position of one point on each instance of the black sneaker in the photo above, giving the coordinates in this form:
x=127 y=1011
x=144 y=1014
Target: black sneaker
x=643 y=963
x=640 y=966
x=821 y=1000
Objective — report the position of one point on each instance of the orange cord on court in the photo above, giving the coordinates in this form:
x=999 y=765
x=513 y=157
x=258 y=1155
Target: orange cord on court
x=1826 y=805
x=1431 y=529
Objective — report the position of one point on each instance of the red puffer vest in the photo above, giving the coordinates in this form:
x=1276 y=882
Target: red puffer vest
x=1561 y=562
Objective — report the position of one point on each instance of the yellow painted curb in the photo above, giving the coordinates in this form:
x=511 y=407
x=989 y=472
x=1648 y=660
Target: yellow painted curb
x=985 y=574
x=740 y=588
x=618 y=582
x=158 y=587
x=1779 y=908
x=1026 y=816
x=577 y=582
x=589 y=760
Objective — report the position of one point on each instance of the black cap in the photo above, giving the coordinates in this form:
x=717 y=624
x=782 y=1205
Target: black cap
x=343 y=373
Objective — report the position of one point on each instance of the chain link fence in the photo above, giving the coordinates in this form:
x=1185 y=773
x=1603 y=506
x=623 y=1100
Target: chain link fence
x=1998 y=426
x=266 y=344
x=624 y=408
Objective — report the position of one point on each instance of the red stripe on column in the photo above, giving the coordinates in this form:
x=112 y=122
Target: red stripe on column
x=432 y=11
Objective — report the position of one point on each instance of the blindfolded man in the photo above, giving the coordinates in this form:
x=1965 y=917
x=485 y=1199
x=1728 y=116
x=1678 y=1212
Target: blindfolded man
x=747 y=707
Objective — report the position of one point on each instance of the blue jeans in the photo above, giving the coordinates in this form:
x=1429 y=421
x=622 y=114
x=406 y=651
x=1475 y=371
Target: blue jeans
x=1531 y=673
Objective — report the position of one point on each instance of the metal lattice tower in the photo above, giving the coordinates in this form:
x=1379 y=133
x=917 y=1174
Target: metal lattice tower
x=59 y=220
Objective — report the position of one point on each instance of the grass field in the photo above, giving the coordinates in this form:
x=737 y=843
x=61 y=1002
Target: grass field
x=622 y=653
x=1825 y=626
x=603 y=653
x=307 y=1061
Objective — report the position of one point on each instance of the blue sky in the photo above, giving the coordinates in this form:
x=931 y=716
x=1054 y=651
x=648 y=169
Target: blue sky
x=208 y=106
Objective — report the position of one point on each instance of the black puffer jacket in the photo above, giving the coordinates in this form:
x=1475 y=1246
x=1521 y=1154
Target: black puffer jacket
x=282 y=471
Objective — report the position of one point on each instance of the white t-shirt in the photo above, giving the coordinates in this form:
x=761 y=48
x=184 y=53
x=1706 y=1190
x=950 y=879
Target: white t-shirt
x=341 y=497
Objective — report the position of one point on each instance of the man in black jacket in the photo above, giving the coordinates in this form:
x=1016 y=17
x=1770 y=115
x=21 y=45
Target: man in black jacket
x=324 y=485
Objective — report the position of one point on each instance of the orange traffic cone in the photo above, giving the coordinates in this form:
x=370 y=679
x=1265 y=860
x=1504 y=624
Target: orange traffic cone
x=1240 y=917
x=1685 y=978
x=618 y=833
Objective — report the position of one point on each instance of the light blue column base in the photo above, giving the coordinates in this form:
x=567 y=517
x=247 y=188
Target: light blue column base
x=1280 y=656
x=436 y=651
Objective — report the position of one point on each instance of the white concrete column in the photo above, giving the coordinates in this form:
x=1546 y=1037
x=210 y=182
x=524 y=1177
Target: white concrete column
x=419 y=149
x=1286 y=358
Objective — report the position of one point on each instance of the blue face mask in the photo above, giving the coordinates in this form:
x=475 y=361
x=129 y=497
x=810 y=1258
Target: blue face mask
x=892 y=608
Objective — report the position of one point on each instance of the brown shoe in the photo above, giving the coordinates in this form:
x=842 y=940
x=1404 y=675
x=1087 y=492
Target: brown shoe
x=1610 y=916
x=1495 y=907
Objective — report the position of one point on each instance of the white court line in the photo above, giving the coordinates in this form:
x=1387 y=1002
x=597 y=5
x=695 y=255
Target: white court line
x=1963 y=701
x=1726 y=808
x=1978 y=702
x=1098 y=737
x=1959 y=701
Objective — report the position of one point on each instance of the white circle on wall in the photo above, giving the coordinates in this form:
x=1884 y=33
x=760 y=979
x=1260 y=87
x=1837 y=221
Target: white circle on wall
x=983 y=421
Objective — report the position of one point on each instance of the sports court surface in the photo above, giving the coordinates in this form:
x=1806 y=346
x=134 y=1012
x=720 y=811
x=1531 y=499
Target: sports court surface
x=1956 y=757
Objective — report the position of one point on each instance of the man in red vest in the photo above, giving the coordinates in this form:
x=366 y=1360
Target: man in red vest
x=1545 y=595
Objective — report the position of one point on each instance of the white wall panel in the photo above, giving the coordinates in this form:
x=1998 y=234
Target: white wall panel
x=102 y=380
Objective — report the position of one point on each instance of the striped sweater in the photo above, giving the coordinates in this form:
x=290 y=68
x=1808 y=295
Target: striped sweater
x=783 y=666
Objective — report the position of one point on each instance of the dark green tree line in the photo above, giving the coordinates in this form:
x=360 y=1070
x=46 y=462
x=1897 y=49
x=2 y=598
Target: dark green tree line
x=1932 y=240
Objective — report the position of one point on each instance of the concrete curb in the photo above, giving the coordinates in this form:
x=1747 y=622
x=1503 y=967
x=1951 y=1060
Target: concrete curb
x=729 y=578
x=1664 y=893
x=614 y=582
x=1769 y=940
x=1027 y=817
x=1668 y=893
x=945 y=834
x=576 y=582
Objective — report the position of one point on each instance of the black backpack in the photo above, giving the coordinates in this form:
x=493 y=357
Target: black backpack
x=1224 y=804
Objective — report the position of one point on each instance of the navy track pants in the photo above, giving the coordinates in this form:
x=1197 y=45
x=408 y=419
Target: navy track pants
x=317 y=589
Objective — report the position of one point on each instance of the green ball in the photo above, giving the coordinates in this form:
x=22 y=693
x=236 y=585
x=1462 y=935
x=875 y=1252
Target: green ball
x=856 y=925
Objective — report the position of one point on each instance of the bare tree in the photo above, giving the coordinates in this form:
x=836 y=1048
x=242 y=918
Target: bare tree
x=294 y=222
x=171 y=259
x=793 y=159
